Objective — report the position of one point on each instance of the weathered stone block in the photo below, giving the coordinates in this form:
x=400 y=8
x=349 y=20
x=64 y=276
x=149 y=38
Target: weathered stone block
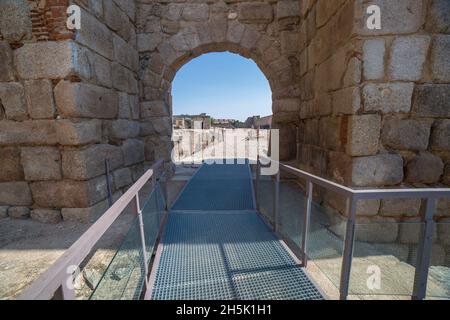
x=78 y=132
x=187 y=39
x=40 y=132
x=410 y=231
x=135 y=107
x=330 y=133
x=286 y=105
x=384 y=231
x=147 y=129
x=12 y=97
x=288 y=9
x=122 y=178
x=432 y=100
x=85 y=215
x=148 y=41
x=380 y=170
x=124 y=79
x=364 y=208
x=151 y=109
x=20 y=213
x=408 y=55
x=195 y=12
x=444 y=231
x=95 y=35
x=443 y=207
x=41 y=163
x=15 y=20
x=172 y=11
x=439 y=57
x=235 y=32
x=124 y=106
x=406 y=134
x=10 y=166
x=133 y=151
x=340 y=167
x=346 y=101
x=88 y=163
x=51 y=60
x=99 y=71
x=388 y=98
x=15 y=194
x=398 y=17
x=69 y=194
x=162 y=125
x=137 y=171
x=438 y=20
x=250 y=38
x=363 y=135
x=255 y=12
x=46 y=216
x=424 y=168
x=39 y=94
x=125 y=54
x=3 y=212
x=440 y=137
x=374 y=51
x=353 y=74
x=6 y=62
x=400 y=207
x=289 y=43
x=82 y=100
x=118 y=20
x=446 y=178
x=129 y=7
x=122 y=129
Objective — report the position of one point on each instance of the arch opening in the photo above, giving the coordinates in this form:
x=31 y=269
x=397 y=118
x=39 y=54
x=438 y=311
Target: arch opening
x=218 y=99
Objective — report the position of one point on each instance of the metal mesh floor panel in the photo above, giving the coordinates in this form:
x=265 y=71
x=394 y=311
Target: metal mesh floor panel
x=218 y=187
x=226 y=255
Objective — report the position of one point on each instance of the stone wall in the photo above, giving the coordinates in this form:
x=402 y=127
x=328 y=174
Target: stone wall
x=171 y=33
x=69 y=100
x=375 y=103
x=364 y=108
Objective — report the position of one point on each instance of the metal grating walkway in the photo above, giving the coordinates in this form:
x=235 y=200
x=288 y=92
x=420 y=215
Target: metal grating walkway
x=215 y=246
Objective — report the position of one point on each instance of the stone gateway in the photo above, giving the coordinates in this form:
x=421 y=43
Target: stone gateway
x=362 y=106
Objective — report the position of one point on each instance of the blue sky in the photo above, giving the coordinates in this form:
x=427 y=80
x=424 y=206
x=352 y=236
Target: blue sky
x=223 y=85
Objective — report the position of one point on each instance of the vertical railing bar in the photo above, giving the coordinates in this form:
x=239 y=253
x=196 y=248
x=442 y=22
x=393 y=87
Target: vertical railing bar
x=257 y=182
x=142 y=233
x=424 y=250
x=276 y=198
x=64 y=292
x=306 y=221
x=108 y=182
x=348 y=249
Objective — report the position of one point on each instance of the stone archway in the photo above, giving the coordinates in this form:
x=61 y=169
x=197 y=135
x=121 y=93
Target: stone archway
x=160 y=63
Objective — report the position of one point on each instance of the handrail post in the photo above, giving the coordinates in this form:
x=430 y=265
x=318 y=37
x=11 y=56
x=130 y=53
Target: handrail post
x=257 y=182
x=306 y=221
x=424 y=250
x=142 y=233
x=108 y=182
x=347 y=256
x=276 y=198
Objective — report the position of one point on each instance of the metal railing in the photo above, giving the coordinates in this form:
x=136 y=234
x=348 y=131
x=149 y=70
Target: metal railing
x=352 y=196
x=57 y=281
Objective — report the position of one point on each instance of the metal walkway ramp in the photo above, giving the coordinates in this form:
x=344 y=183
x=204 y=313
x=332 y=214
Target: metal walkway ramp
x=216 y=246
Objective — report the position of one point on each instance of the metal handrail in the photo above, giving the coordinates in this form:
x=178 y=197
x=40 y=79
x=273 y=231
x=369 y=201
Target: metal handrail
x=57 y=280
x=431 y=195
